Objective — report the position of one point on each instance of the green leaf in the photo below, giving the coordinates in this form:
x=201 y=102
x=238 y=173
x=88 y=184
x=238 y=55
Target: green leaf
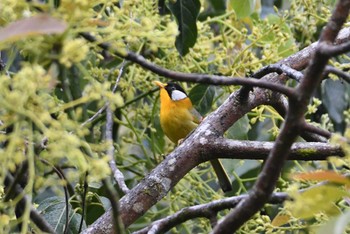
x=202 y=97
x=95 y=208
x=315 y=200
x=53 y=210
x=334 y=99
x=186 y=13
x=243 y=8
x=239 y=130
x=213 y=8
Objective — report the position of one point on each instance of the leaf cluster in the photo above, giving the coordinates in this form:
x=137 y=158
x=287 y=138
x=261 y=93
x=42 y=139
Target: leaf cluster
x=53 y=84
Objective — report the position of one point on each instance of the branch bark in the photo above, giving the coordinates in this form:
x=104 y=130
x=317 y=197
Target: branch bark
x=258 y=150
x=291 y=128
x=201 y=211
x=189 y=154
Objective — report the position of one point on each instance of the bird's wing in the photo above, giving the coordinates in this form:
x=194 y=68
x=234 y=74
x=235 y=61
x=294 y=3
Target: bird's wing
x=197 y=118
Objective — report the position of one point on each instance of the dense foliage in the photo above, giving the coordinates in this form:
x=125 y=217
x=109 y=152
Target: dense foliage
x=51 y=84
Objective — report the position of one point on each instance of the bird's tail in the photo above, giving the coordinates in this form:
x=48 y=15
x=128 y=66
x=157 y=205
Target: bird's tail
x=223 y=178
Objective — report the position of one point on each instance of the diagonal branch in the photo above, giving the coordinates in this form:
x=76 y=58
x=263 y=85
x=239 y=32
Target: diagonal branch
x=291 y=128
x=192 y=77
x=35 y=216
x=279 y=68
x=189 y=154
x=334 y=50
x=201 y=211
x=344 y=75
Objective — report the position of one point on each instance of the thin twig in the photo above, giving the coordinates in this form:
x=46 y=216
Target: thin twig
x=83 y=201
x=100 y=111
x=65 y=189
x=37 y=219
x=201 y=211
x=279 y=69
x=192 y=77
x=319 y=131
x=114 y=199
x=20 y=174
x=344 y=75
x=117 y=174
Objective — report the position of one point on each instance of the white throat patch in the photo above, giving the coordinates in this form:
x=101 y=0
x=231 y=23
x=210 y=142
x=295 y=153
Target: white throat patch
x=177 y=95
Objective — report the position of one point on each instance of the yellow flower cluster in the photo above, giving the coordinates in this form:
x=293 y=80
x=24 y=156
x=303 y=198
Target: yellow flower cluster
x=73 y=51
x=11 y=10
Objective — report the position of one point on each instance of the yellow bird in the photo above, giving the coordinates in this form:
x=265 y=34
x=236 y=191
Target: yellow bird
x=178 y=118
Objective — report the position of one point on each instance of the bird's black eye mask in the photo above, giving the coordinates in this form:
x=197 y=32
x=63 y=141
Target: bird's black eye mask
x=170 y=87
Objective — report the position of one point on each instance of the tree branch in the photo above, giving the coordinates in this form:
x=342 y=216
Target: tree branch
x=37 y=219
x=344 y=75
x=201 y=211
x=258 y=150
x=309 y=132
x=334 y=50
x=279 y=69
x=186 y=156
x=118 y=176
x=267 y=179
x=192 y=77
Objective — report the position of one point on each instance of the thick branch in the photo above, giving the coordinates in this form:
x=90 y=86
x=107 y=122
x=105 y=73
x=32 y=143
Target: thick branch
x=266 y=181
x=258 y=150
x=179 y=162
x=157 y=184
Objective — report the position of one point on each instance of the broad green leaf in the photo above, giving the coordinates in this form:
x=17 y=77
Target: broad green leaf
x=96 y=207
x=218 y=5
x=35 y=25
x=186 y=13
x=334 y=98
x=212 y=8
x=239 y=130
x=106 y=203
x=315 y=200
x=202 y=97
x=53 y=210
x=243 y=169
x=244 y=8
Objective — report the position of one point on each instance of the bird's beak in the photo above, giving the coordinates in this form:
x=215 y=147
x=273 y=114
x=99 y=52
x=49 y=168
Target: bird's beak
x=160 y=84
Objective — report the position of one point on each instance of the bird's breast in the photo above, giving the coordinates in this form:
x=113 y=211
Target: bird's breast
x=176 y=119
